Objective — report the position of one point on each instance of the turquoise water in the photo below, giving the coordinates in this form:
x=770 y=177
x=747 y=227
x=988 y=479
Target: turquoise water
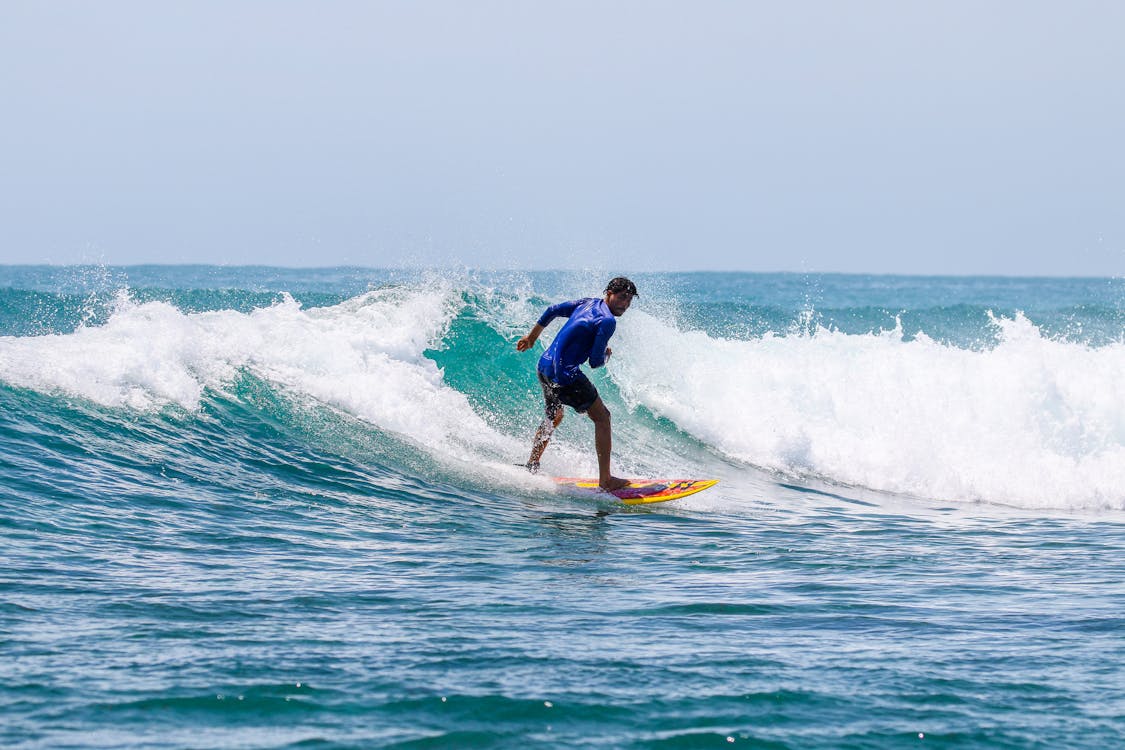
x=255 y=507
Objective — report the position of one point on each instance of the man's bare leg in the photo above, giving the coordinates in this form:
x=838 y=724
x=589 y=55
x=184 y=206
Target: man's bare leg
x=542 y=437
x=603 y=443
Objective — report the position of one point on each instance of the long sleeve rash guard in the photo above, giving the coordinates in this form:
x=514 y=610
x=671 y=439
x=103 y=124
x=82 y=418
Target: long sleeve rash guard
x=583 y=337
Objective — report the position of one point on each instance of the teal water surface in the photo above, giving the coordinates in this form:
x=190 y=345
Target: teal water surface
x=262 y=508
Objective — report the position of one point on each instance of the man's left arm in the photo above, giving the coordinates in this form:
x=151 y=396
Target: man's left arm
x=529 y=340
x=562 y=309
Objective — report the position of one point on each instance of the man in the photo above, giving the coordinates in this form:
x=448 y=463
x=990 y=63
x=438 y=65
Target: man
x=591 y=323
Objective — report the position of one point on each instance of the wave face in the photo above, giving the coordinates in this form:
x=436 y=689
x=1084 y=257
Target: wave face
x=1001 y=391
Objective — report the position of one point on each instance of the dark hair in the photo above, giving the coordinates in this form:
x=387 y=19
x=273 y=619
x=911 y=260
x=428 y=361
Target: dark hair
x=621 y=284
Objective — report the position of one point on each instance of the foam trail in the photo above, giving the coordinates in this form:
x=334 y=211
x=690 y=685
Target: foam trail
x=1032 y=422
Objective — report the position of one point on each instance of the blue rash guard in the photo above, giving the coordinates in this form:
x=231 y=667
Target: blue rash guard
x=582 y=338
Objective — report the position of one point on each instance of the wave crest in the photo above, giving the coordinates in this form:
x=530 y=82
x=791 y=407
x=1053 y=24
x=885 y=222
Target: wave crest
x=1032 y=422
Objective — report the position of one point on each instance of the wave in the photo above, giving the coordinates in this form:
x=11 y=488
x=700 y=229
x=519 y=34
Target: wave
x=1030 y=422
x=1026 y=419
x=363 y=356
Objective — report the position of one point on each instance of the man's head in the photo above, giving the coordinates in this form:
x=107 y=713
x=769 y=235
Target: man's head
x=619 y=293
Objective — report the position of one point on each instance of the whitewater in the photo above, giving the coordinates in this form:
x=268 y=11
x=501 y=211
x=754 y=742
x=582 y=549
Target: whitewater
x=296 y=490
x=1028 y=419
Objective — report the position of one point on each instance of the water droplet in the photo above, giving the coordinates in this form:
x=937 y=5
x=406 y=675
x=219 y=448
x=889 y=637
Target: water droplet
x=548 y=704
x=921 y=735
x=730 y=739
x=443 y=699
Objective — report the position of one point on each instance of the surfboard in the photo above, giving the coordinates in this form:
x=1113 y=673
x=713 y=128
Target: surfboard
x=640 y=491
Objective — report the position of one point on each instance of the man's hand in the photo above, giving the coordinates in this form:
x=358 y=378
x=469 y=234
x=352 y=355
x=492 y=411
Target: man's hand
x=608 y=353
x=529 y=340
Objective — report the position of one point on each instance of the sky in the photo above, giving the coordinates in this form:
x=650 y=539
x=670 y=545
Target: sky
x=869 y=137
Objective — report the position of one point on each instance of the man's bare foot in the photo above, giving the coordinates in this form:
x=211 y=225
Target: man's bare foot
x=613 y=483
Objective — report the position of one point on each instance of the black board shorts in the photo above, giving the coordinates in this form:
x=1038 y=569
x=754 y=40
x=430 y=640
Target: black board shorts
x=579 y=395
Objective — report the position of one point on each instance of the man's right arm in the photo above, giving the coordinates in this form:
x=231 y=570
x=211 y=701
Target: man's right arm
x=599 y=351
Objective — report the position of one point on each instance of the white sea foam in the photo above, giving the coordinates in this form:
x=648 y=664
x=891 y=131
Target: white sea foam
x=1032 y=422
x=363 y=356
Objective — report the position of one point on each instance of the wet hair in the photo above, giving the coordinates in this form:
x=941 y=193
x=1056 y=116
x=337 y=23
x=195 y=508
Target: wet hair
x=621 y=284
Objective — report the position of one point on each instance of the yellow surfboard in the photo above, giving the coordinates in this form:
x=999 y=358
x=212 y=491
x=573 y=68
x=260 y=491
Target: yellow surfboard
x=640 y=491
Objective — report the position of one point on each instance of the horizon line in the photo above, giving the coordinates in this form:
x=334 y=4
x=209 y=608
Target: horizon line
x=463 y=267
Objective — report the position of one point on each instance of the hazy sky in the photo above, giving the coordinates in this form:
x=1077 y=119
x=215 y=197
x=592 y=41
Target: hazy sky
x=885 y=137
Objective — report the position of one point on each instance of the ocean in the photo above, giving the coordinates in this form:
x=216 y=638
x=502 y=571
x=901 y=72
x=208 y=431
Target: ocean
x=250 y=507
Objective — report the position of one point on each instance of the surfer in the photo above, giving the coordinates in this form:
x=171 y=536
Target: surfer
x=591 y=322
